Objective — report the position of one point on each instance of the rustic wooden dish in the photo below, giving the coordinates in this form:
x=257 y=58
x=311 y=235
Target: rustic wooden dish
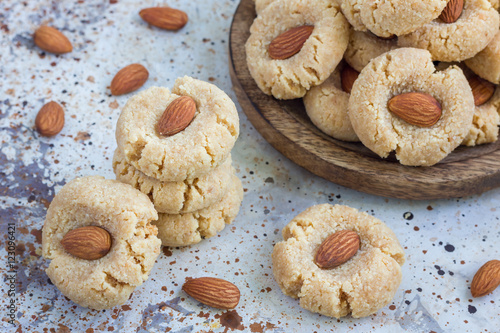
x=285 y=125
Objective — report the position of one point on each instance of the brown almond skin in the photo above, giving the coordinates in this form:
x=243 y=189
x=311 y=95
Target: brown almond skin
x=177 y=116
x=415 y=108
x=128 y=79
x=337 y=249
x=50 y=119
x=290 y=42
x=164 y=17
x=486 y=279
x=347 y=76
x=89 y=243
x=482 y=90
x=52 y=40
x=452 y=12
x=213 y=292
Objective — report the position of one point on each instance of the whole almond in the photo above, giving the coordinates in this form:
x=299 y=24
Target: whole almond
x=416 y=108
x=50 y=119
x=482 y=90
x=213 y=292
x=290 y=42
x=347 y=77
x=451 y=13
x=486 y=279
x=88 y=243
x=129 y=79
x=52 y=40
x=164 y=17
x=177 y=116
x=337 y=249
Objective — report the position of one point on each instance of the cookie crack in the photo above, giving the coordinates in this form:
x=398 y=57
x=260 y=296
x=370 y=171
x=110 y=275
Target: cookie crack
x=223 y=122
x=137 y=148
x=344 y=300
x=112 y=281
x=207 y=150
x=138 y=258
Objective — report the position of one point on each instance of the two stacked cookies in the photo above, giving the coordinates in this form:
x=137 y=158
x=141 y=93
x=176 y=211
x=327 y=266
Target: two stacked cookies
x=391 y=46
x=175 y=146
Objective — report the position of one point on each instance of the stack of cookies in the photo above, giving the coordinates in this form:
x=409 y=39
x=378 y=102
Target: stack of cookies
x=417 y=78
x=175 y=146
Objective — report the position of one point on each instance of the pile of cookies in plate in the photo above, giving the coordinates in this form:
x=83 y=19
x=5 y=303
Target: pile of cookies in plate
x=417 y=78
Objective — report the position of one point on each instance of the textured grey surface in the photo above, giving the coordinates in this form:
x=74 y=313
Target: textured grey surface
x=446 y=241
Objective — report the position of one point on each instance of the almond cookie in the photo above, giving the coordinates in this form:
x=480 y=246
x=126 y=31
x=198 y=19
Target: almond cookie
x=186 y=196
x=486 y=63
x=191 y=228
x=460 y=40
x=484 y=126
x=391 y=17
x=317 y=57
x=191 y=153
x=121 y=211
x=326 y=106
x=360 y=286
x=365 y=46
x=403 y=71
x=486 y=118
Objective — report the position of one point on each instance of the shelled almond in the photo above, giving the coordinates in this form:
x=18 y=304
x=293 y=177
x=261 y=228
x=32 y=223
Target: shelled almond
x=213 y=292
x=177 y=116
x=164 y=17
x=128 y=79
x=50 y=119
x=52 y=40
x=416 y=108
x=88 y=242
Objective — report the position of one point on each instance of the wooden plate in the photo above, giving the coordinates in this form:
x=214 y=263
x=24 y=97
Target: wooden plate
x=285 y=125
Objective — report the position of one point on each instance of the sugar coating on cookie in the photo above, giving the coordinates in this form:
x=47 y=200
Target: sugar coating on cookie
x=322 y=51
x=198 y=149
x=126 y=214
x=361 y=286
x=191 y=228
x=185 y=196
x=365 y=46
x=486 y=63
x=402 y=71
x=326 y=106
x=460 y=40
x=391 y=17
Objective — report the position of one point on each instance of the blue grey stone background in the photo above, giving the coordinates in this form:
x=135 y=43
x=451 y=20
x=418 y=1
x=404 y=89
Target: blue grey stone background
x=445 y=241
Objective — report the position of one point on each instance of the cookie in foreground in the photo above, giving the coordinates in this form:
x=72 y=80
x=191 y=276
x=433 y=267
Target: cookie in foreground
x=361 y=285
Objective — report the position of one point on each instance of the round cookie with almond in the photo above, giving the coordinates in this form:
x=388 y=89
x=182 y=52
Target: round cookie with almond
x=178 y=135
x=338 y=261
x=401 y=103
x=99 y=237
x=294 y=45
x=391 y=17
x=463 y=34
